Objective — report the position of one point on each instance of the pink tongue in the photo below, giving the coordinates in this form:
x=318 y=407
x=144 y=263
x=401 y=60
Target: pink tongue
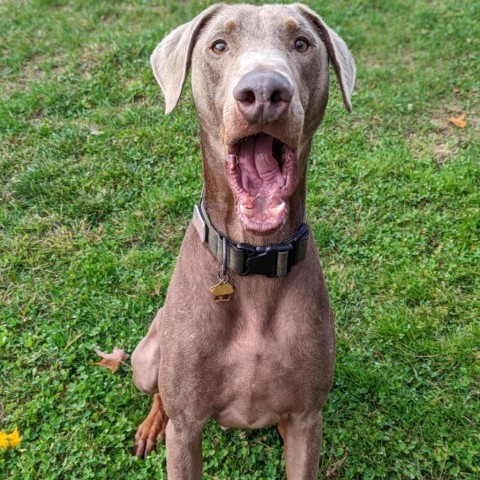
x=260 y=172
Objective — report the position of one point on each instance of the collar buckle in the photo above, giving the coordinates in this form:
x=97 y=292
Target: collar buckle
x=269 y=260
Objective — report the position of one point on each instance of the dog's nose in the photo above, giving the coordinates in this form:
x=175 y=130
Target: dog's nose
x=263 y=96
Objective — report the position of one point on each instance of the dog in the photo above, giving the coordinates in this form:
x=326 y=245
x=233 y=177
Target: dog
x=246 y=334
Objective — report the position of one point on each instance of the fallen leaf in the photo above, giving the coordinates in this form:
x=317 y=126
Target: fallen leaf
x=10 y=440
x=459 y=121
x=94 y=130
x=112 y=360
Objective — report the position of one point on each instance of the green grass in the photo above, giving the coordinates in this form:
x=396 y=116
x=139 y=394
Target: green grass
x=91 y=226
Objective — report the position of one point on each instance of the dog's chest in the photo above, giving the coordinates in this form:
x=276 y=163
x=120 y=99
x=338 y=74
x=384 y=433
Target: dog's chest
x=262 y=376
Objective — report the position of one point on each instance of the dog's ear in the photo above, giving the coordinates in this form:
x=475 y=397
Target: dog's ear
x=171 y=59
x=338 y=52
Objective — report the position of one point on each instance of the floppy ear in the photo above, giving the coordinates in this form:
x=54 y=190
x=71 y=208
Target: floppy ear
x=338 y=52
x=171 y=59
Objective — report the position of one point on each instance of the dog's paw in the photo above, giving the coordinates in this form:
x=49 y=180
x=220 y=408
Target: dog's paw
x=151 y=430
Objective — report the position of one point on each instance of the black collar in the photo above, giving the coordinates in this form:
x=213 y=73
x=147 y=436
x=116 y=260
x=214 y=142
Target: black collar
x=274 y=260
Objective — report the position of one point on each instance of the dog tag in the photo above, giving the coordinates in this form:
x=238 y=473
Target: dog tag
x=222 y=291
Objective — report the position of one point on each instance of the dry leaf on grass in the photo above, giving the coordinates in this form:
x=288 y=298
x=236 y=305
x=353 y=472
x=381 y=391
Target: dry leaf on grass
x=112 y=360
x=9 y=440
x=459 y=121
x=94 y=130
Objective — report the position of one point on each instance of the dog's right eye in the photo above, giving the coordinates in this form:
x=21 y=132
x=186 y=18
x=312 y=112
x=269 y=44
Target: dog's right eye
x=301 y=45
x=219 y=47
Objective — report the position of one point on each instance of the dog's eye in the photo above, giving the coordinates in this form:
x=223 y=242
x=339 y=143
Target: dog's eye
x=301 y=45
x=219 y=47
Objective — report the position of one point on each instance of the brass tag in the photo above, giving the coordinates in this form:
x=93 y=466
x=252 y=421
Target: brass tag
x=222 y=291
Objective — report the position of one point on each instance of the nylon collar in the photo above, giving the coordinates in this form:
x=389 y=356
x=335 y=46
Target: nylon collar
x=274 y=260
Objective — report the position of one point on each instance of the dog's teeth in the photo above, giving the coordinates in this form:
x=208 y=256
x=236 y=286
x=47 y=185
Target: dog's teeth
x=246 y=211
x=278 y=209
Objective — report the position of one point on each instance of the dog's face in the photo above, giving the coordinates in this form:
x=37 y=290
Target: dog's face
x=260 y=85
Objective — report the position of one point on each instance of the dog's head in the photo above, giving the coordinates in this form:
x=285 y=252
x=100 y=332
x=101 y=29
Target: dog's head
x=260 y=86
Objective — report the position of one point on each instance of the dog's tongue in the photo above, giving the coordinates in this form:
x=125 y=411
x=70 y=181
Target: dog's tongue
x=260 y=172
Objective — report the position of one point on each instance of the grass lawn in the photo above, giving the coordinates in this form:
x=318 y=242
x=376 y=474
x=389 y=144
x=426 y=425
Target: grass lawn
x=97 y=187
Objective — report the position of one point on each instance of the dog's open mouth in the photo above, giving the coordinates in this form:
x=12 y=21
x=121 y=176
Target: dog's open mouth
x=262 y=172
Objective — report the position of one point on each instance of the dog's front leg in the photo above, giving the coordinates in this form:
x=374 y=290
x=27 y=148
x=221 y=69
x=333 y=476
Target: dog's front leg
x=302 y=442
x=184 y=451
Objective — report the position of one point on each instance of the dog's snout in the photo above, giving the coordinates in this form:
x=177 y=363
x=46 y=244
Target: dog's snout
x=263 y=96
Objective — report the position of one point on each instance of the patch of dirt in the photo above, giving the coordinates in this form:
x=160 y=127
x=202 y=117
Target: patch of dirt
x=36 y=69
x=91 y=56
x=444 y=141
x=443 y=152
x=371 y=62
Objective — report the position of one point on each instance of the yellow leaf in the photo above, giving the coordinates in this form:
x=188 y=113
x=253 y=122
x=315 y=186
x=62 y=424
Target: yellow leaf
x=9 y=440
x=3 y=440
x=459 y=121
x=15 y=438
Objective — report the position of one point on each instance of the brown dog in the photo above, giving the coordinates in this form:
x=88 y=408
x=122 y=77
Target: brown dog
x=238 y=339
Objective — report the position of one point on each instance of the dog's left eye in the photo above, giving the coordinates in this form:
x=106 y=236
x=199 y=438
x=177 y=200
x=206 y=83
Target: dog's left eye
x=219 y=47
x=301 y=45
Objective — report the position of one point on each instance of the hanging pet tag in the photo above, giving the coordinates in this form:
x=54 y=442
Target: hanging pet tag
x=222 y=291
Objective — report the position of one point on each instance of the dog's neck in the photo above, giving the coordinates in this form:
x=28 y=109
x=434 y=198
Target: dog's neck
x=220 y=203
